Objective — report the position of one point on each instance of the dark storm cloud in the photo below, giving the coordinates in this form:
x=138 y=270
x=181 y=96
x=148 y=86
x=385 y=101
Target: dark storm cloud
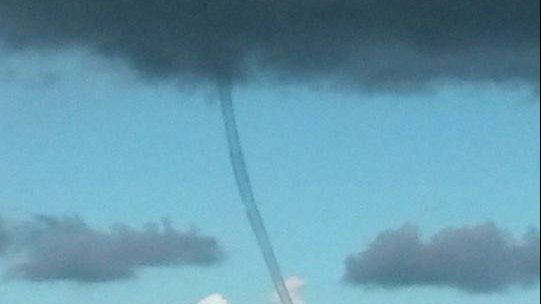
x=368 y=42
x=67 y=249
x=480 y=259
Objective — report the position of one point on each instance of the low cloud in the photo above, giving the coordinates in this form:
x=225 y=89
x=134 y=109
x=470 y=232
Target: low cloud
x=214 y=299
x=295 y=285
x=479 y=259
x=67 y=249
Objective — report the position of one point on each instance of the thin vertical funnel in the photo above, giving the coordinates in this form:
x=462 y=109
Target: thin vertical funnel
x=246 y=193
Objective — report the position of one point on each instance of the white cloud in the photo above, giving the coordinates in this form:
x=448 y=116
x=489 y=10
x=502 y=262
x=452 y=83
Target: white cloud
x=214 y=299
x=295 y=285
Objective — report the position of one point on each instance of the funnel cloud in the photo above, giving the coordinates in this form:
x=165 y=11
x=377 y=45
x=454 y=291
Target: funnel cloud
x=244 y=185
x=377 y=44
x=481 y=259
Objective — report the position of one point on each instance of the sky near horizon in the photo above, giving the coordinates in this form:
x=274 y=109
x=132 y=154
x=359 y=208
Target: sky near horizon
x=332 y=169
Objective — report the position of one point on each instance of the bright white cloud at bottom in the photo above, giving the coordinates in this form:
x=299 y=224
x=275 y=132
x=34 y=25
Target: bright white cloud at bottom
x=295 y=285
x=214 y=299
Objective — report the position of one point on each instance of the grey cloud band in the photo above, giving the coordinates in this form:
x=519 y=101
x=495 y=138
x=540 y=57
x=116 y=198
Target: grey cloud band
x=5 y=238
x=478 y=259
x=67 y=249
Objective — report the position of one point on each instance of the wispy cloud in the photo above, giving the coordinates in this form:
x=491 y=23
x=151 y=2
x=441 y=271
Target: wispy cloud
x=477 y=259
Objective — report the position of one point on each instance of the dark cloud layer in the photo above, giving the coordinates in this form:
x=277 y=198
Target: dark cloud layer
x=67 y=249
x=479 y=259
x=369 y=42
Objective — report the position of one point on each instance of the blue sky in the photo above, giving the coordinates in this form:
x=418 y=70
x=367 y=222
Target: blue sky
x=331 y=170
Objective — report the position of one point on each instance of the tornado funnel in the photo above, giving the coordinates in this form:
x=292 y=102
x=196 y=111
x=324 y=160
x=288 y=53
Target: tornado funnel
x=246 y=193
